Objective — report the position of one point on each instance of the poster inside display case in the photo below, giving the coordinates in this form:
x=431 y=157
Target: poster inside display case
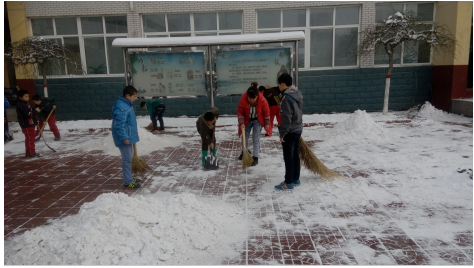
x=237 y=69
x=168 y=74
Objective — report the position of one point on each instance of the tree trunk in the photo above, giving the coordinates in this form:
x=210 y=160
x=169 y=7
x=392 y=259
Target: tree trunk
x=45 y=82
x=387 y=83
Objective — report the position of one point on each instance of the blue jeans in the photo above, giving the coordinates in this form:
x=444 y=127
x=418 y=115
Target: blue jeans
x=257 y=129
x=127 y=152
x=291 y=155
x=158 y=113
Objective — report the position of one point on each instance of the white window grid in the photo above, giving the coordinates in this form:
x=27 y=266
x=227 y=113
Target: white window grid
x=81 y=38
x=192 y=31
x=307 y=31
x=402 y=48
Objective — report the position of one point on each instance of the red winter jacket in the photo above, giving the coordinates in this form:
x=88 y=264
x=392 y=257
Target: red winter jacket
x=263 y=112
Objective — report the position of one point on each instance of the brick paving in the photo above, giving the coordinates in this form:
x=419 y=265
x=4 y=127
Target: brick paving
x=56 y=185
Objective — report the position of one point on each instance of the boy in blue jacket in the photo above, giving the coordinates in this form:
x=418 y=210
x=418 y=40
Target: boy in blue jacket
x=125 y=132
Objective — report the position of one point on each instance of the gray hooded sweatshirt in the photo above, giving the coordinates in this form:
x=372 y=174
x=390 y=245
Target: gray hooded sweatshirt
x=291 y=109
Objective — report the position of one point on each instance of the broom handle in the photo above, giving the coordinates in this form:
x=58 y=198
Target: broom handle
x=135 y=149
x=243 y=140
x=41 y=131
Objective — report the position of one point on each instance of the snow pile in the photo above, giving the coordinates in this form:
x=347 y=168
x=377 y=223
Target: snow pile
x=147 y=144
x=430 y=112
x=117 y=229
x=358 y=125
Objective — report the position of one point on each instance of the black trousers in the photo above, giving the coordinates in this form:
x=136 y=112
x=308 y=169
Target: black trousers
x=291 y=155
x=158 y=114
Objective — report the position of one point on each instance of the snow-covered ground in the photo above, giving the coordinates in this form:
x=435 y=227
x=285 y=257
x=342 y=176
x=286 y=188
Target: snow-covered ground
x=421 y=160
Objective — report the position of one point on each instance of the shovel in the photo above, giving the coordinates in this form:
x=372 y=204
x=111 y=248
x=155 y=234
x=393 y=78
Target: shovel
x=211 y=161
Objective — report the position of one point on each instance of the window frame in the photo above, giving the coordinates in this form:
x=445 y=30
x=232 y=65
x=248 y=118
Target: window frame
x=307 y=31
x=192 y=31
x=81 y=38
x=402 y=48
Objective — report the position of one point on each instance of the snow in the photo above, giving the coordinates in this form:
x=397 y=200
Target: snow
x=208 y=40
x=419 y=159
x=358 y=125
x=117 y=229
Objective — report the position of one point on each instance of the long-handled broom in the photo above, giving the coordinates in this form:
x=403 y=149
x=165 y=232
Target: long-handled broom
x=247 y=158
x=139 y=166
x=310 y=161
x=41 y=131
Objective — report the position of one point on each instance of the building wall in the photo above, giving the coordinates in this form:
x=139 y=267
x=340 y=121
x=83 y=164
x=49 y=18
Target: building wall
x=324 y=92
x=19 y=29
x=450 y=73
x=133 y=9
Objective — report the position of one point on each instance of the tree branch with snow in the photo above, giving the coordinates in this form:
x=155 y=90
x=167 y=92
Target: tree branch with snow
x=403 y=27
x=41 y=53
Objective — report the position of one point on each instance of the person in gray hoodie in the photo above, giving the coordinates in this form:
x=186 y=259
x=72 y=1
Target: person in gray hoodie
x=291 y=110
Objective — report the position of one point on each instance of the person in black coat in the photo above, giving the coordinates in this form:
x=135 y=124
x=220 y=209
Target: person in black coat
x=27 y=121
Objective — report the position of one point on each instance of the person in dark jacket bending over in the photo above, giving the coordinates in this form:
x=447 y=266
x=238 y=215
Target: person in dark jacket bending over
x=44 y=106
x=206 y=126
x=290 y=130
x=155 y=109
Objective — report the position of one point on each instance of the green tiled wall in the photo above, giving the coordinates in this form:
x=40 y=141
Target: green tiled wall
x=324 y=91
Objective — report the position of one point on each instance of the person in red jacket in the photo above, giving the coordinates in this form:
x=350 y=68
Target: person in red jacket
x=253 y=113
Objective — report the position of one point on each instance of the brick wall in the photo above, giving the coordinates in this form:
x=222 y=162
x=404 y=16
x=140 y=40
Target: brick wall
x=344 y=90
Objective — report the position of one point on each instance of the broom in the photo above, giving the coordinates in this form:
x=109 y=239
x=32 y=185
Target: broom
x=138 y=165
x=310 y=161
x=149 y=127
x=247 y=158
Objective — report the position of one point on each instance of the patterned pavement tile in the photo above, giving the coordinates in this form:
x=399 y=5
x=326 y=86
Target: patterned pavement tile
x=336 y=257
x=411 y=257
x=400 y=242
x=279 y=233
x=450 y=256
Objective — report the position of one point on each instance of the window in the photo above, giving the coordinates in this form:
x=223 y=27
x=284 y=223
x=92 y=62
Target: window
x=412 y=52
x=331 y=33
x=90 y=38
x=193 y=24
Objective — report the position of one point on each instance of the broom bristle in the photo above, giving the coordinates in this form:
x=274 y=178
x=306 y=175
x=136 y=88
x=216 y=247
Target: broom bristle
x=149 y=127
x=311 y=162
x=139 y=166
x=247 y=159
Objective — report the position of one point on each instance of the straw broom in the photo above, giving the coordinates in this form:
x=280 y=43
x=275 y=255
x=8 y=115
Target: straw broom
x=247 y=158
x=139 y=166
x=310 y=161
x=149 y=127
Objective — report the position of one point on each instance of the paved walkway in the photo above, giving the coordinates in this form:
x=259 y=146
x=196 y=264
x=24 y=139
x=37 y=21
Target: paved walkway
x=54 y=186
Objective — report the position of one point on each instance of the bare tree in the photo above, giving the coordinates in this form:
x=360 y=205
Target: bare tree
x=43 y=54
x=399 y=28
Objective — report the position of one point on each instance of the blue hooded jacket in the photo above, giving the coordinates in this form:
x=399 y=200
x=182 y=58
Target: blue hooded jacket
x=124 y=122
x=6 y=105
